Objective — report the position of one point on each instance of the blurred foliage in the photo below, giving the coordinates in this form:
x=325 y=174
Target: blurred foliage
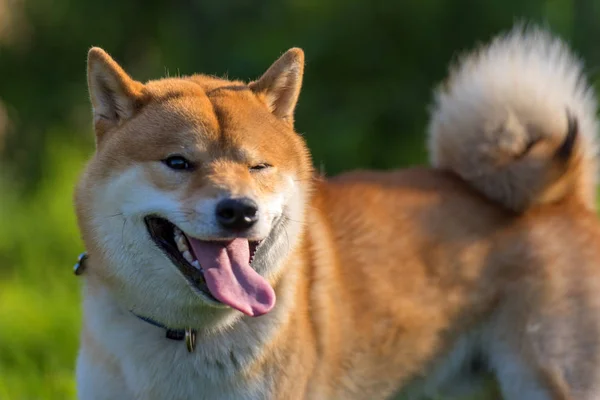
x=370 y=69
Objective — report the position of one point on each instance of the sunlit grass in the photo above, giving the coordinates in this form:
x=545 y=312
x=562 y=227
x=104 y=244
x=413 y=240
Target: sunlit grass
x=39 y=295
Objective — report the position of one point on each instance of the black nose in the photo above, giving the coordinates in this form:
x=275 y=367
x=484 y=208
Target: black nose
x=237 y=214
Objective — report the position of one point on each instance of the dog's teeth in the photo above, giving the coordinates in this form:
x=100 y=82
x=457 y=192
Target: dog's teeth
x=187 y=255
x=196 y=264
x=181 y=243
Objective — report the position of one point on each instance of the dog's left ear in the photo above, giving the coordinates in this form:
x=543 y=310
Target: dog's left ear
x=279 y=87
x=114 y=94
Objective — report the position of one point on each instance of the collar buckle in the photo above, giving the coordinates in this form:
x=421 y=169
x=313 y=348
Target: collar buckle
x=188 y=334
x=79 y=267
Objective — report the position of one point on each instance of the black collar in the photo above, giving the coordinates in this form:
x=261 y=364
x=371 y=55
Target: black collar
x=173 y=334
x=188 y=334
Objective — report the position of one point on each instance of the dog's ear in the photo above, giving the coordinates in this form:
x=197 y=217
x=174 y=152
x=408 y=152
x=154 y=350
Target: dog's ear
x=279 y=87
x=114 y=95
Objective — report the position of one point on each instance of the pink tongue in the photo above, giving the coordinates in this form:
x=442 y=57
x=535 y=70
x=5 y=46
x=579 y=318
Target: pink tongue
x=231 y=279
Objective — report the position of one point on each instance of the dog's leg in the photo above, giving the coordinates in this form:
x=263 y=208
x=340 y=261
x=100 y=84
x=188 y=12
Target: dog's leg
x=519 y=342
x=521 y=377
x=99 y=377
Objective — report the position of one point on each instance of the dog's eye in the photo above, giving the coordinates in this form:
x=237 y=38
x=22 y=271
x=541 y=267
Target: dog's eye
x=260 y=167
x=177 y=162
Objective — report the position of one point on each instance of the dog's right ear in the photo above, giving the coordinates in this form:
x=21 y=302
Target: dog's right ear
x=114 y=95
x=279 y=87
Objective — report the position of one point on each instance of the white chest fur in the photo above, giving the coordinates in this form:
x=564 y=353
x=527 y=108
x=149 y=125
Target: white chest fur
x=144 y=364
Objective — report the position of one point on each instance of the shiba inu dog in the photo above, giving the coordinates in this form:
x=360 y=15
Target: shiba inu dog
x=220 y=266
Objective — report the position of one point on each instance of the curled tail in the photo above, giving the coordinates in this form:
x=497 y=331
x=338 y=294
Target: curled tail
x=517 y=120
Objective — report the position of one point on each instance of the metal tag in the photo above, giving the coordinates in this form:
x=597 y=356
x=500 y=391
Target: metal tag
x=190 y=339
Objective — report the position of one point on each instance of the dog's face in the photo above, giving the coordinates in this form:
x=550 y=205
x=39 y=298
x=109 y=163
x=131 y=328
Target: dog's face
x=197 y=190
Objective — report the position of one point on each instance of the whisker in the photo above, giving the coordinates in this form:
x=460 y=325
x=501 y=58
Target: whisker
x=115 y=215
x=304 y=180
x=287 y=237
x=123 y=231
x=303 y=223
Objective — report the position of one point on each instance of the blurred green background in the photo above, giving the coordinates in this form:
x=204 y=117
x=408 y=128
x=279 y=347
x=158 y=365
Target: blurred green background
x=370 y=69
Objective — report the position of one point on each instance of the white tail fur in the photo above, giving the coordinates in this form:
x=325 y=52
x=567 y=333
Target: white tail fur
x=517 y=120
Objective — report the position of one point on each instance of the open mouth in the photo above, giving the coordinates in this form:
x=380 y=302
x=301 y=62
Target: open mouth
x=220 y=270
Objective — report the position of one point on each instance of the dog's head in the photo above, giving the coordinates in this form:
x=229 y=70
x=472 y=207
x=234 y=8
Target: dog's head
x=196 y=193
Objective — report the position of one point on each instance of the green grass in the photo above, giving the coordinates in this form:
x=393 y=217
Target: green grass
x=39 y=295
